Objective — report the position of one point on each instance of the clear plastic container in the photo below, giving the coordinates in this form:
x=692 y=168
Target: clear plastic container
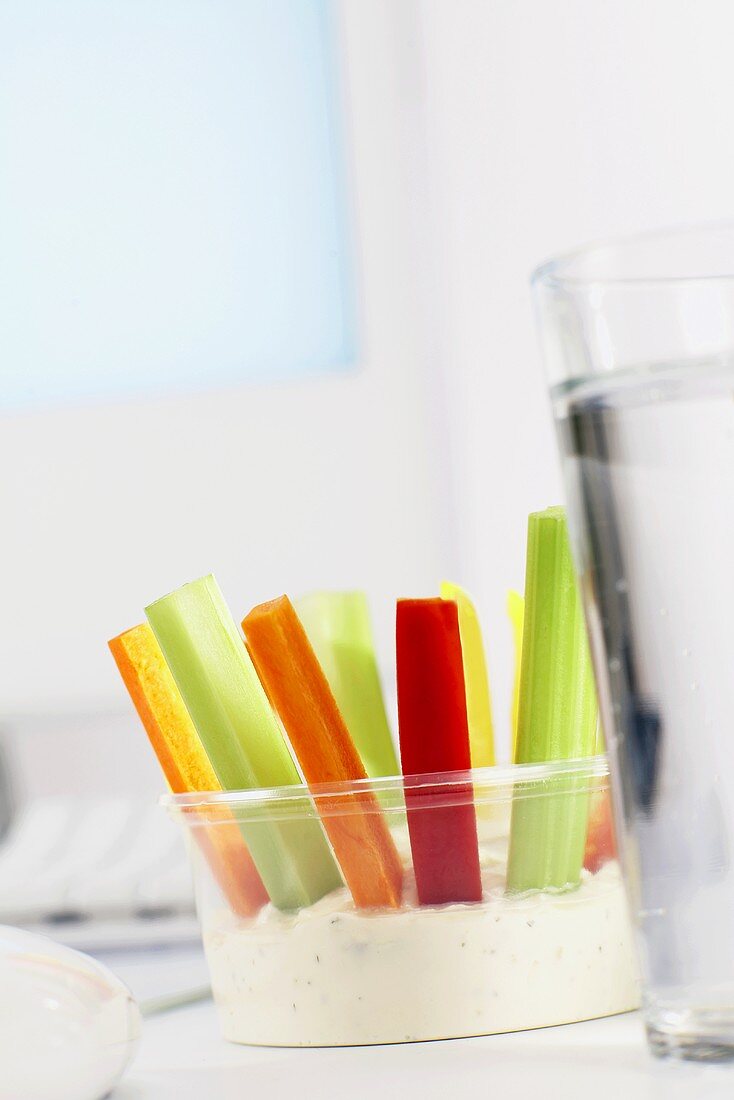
x=333 y=975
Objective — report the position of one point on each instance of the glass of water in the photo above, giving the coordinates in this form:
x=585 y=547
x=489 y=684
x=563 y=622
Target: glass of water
x=638 y=339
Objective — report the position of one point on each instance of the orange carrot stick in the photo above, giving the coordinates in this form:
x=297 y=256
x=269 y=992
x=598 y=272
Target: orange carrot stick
x=184 y=762
x=299 y=692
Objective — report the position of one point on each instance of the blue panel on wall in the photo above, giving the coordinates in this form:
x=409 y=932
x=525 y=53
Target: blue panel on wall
x=172 y=208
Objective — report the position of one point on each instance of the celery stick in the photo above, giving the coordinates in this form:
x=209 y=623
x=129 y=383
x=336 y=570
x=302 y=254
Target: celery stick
x=557 y=714
x=478 y=704
x=516 y=611
x=241 y=735
x=338 y=628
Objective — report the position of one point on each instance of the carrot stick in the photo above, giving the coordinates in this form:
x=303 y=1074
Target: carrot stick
x=434 y=737
x=298 y=689
x=184 y=762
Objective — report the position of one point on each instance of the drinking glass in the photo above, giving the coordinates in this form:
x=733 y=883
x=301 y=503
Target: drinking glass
x=638 y=340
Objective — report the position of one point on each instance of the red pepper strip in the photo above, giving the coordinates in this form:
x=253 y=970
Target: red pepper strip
x=601 y=846
x=434 y=737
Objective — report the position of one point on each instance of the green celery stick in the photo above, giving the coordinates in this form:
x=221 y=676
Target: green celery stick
x=241 y=735
x=557 y=715
x=338 y=627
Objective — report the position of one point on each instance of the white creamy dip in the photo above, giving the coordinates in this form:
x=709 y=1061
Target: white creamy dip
x=333 y=976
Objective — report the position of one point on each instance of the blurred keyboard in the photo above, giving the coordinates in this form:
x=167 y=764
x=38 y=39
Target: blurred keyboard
x=120 y=863
x=99 y=870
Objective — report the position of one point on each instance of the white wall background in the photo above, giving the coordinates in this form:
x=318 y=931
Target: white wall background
x=484 y=135
x=551 y=124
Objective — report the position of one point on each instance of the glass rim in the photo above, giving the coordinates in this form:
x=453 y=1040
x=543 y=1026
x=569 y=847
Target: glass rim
x=433 y=783
x=555 y=272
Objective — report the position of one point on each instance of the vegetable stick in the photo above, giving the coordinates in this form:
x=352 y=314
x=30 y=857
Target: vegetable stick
x=434 y=737
x=557 y=714
x=338 y=627
x=185 y=765
x=516 y=611
x=237 y=726
x=601 y=845
x=478 y=704
x=300 y=693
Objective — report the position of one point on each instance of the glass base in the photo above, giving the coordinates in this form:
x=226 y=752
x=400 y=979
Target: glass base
x=695 y=1034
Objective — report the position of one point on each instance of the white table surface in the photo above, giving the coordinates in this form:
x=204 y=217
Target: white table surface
x=182 y=1057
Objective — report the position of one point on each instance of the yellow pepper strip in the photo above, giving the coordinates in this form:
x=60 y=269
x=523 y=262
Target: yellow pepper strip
x=476 y=682
x=516 y=611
